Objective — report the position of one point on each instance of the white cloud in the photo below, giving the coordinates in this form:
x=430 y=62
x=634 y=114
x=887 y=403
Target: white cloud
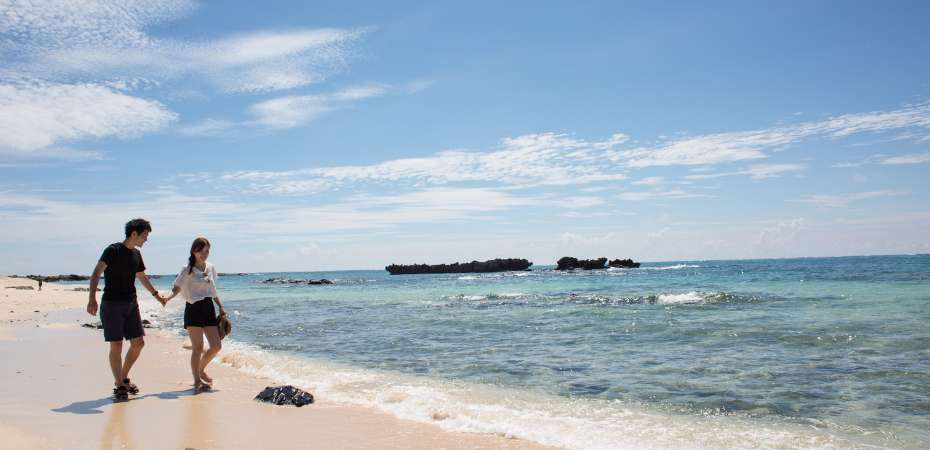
x=25 y=218
x=575 y=240
x=658 y=234
x=51 y=24
x=417 y=86
x=36 y=117
x=839 y=201
x=577 y=202
x=531 y=160
x=762 y=171
x=751 y=145
x=781 y=233
x=917 y=158
x=361 y=92
x=756 y=172
x=709 y=149
x=849 y=124
x=293 y=111
x=846 y=165
x=207 y=127
x=109 y=39
x=288 y=112
x=649 y=181
x=658 y=195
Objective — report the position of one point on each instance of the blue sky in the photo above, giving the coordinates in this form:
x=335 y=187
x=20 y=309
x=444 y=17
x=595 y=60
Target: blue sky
x=305 y=136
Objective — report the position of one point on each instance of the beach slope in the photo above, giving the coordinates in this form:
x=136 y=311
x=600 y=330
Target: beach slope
x=55 y=392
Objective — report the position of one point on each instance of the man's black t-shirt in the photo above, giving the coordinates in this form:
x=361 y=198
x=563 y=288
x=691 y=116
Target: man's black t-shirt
x=120 y=274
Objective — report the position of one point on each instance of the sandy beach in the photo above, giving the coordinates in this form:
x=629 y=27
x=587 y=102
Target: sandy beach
x=55 y=393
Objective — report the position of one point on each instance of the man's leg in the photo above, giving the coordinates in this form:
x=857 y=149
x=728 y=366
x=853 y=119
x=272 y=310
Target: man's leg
x=135 y=348
x=132 y=329
x=116 y=361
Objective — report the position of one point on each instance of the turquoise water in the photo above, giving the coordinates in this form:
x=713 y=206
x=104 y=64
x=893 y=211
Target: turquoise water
x=794 y=353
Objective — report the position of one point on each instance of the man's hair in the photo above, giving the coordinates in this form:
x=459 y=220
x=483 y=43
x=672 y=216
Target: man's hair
x=137 y=225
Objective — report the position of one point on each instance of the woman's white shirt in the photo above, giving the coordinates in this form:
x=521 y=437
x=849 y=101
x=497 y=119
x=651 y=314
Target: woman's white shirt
x=198 y=284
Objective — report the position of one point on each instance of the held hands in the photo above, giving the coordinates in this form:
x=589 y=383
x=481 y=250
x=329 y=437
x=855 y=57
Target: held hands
x=161 y=299
x=165 y=299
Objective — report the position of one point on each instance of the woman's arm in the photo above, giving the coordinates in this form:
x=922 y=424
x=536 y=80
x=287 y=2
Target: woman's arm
x=222 y=311
x=174 y=293
x=216 y=297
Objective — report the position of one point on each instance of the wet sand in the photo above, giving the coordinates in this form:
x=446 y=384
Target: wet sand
x=55 y=392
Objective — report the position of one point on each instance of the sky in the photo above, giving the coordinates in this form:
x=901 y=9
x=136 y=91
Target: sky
x=308 y=136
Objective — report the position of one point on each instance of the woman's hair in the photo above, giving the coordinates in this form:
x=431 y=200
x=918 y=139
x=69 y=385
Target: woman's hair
x=197 y=246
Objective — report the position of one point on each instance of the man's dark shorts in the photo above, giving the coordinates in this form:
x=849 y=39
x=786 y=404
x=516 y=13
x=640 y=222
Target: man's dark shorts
x=121 y=320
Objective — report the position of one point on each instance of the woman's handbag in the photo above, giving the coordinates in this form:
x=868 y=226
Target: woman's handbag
x=224 y=326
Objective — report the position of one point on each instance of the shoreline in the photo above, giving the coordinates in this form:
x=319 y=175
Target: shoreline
x=64 y=401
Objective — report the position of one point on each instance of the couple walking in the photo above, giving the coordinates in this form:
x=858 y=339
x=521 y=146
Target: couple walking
x=121 y=265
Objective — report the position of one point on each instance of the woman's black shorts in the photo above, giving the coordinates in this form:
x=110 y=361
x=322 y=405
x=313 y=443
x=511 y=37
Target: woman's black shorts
x=200 y=314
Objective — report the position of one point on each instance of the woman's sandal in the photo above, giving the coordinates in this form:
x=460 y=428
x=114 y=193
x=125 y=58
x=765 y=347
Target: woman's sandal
x=132 y=388
x=203 y=388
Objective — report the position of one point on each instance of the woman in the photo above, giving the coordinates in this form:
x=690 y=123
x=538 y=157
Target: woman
x=197 y=282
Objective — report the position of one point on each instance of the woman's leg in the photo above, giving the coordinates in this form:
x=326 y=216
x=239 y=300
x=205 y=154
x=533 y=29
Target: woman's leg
x=196 y=334
x=213 y=337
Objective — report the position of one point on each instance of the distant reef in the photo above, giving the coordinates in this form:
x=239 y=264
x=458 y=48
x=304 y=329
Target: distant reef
x=293 y=281
x=52 y=278
x=570 y=263
x=223 y=274
x=493 y=265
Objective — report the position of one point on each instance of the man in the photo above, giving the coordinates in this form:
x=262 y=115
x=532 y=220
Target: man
x=121 y=264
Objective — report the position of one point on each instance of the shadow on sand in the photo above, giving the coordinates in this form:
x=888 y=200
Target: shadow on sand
x=93 y=406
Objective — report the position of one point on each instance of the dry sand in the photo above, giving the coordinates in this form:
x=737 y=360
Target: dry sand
x=55 y=392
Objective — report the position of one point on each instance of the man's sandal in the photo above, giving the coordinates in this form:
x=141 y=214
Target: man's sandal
x=121 y=393
x=132 y=388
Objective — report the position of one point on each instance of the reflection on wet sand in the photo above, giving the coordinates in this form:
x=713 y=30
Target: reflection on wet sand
x=115 y=433
x=198 y=423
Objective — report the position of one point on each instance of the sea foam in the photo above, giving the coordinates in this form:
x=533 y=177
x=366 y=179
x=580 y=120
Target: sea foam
x=674 y=267
x=678 y=299
x=548 y=419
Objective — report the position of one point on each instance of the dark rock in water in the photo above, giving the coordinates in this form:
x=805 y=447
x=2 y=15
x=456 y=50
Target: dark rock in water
x=570 y=263
x=292 y=281
x=47 y=278
x=493 y=265
x=285 y=395
x=22 y=288
x=81 y=289
x=624 y=263
x=146 y=323
x=232 y=274
x=98 y=325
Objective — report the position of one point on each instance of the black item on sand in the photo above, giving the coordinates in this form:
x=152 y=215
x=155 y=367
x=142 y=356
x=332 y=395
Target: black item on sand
x=285 y=395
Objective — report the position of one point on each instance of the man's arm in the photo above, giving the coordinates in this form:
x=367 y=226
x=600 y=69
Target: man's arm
x=148 y=286
x=94 y=279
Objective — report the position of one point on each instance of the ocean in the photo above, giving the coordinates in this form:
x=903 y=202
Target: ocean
x=778 y=353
